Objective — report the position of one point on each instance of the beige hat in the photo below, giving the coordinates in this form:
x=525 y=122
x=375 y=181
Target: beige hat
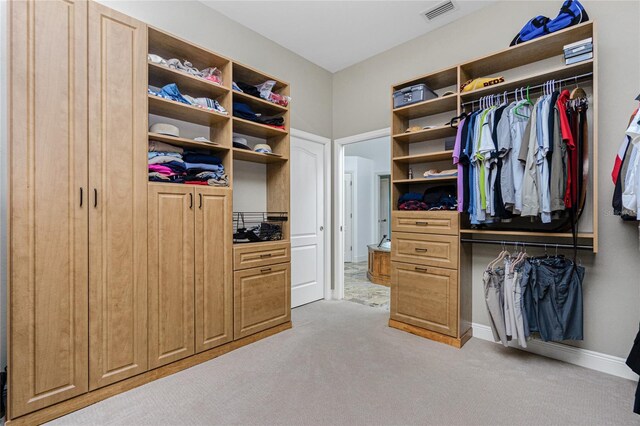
x=165 y=129
x=262 y=147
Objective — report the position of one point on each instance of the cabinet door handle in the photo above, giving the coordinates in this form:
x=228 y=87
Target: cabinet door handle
x=423 y=270
x=264 y=270
x=200 y=201
x=421 y=250
x=81 y=196
x=95 y=197
x=422 y=223
x=190 y=200
x=265 y=255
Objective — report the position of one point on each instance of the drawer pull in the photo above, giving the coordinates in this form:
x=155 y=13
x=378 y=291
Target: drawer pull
x=423 y=270
x=265 y=270
x=265 y=255
x=421 y=250
x=422 y=223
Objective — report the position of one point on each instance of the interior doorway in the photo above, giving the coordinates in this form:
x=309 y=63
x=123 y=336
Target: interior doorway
x=364 y=219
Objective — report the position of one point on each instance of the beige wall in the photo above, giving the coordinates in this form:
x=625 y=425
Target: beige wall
x=612 y=285
x=193 y=21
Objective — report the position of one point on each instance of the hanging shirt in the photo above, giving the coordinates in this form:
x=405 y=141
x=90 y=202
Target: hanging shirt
x=542 y=166
x=518 y=120
x=457 y=152
x=530 y=198
x=572 y=152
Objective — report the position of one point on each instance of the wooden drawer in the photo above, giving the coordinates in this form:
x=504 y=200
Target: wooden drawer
x=260 y=254
x=425 y=297
x=261 y=298
x=436 y=222
x=423 y=249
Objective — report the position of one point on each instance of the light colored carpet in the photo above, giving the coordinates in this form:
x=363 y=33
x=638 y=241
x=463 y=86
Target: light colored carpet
x=341 y=364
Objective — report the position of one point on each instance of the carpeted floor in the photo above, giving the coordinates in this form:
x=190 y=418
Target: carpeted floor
x=341 y=364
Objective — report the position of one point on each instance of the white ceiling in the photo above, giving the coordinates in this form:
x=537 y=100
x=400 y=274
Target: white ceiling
x=338 y=34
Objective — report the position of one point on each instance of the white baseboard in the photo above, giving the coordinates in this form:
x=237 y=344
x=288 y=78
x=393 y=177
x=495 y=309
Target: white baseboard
x=358 y=259
x=583 y=357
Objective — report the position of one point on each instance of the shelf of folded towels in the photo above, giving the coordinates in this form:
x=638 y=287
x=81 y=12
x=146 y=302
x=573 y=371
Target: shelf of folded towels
x=170 y=163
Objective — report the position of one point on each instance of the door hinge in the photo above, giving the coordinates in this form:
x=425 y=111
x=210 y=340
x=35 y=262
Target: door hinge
x=351 y=248
x=351 y=215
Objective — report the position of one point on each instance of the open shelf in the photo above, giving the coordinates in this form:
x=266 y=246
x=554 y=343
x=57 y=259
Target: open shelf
x=435 y=80
x=258 y=130
x=557 y=73
x=259 y=104
x=169 y=46
x=184 y=112
x=256 y=157
x=541 y=48
x=160 y=75
x=426 y=180
x=191 y=185
x=426 y=134
x=430 y=107
x=424 y=158
x=246 y=74
x=186 y=143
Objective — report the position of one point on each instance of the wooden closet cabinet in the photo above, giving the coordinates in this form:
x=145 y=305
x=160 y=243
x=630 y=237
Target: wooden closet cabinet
x=118 y=189
x=77 y=245
x=190 y=303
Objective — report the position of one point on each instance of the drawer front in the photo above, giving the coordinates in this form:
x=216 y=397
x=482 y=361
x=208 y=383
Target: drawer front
x=437 y=222
x=261 y=298
x=425 y=297
x=423 y=249
x=260 y=255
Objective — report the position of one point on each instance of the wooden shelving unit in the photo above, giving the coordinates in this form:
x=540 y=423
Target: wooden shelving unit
x=258 y=130
x=160 y=75
x=184 y=112
x=546 y=52
x=186 y=143
x=257 y=157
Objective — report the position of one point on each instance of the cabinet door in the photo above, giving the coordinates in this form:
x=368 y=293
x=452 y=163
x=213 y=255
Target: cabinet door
x=47 y=224
x=171 y=282
x=118 y=187
x=214 y=274
x=262 y=298
x=425 y=297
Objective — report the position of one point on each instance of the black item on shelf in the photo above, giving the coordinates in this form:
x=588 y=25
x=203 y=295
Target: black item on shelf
x=248 y=89
x=441 y=198
x=244 y=111
x=252 y=227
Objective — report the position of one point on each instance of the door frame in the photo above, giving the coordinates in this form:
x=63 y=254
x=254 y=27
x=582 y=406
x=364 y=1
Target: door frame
x=338 y=205
x=376 y=203
x=327 y=237
x=352 y=230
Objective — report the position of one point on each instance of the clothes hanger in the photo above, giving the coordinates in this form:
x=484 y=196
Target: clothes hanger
x=525 y=101
x=578 y=92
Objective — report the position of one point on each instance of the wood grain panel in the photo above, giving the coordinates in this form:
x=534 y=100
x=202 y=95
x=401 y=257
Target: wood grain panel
x=425 y=222
x=425 y=249
x=260 y=254
x=118 y=182
x=213 y=268
x=262 y=298
x=48 y=239
x=171 y=273
x=425 y=297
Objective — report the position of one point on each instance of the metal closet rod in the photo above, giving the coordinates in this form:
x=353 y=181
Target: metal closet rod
x=525 y=244
x=537 y=86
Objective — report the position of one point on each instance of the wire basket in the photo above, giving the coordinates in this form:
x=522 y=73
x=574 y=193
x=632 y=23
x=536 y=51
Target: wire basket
x=253 y=227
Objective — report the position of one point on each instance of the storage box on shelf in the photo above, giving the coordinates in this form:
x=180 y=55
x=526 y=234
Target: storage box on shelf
x=430 y=279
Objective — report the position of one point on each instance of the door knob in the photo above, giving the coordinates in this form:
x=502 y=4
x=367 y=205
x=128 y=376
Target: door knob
x=322 y=228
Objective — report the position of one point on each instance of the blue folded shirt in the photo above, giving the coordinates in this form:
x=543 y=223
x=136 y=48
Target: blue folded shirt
x=196 y=157
x=204 y=166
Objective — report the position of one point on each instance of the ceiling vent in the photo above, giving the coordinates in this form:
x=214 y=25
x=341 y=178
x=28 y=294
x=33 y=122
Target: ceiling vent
x=439 y=10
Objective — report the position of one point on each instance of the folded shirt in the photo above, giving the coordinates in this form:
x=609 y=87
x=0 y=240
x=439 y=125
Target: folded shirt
x=160 y=169
x=197 y=157
x=437 y=173
x=203 y=167
x=157 y=146
x=161 y=159
x=163 y=154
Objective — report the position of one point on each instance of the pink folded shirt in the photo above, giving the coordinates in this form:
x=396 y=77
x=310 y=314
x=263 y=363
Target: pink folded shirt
x=160 y=169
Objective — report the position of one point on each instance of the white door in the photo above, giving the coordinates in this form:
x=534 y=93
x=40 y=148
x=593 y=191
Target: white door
x=384 y=202
x=348 y=217
x=307 y=221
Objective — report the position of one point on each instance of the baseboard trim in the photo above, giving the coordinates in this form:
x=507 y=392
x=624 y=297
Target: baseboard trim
x=81 y=401
x=583 y=357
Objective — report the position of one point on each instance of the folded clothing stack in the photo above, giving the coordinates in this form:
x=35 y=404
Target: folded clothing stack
x=168 y=163
x=436 y=198
x=263 y=91
x=171 y=92
x=244 y=111
x=211 y=74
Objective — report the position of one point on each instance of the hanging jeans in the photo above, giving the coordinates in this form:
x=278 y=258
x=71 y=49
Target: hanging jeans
x=556 y=285
x=493 y=296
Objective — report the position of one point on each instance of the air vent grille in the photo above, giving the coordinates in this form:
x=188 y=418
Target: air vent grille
x=439 y=10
